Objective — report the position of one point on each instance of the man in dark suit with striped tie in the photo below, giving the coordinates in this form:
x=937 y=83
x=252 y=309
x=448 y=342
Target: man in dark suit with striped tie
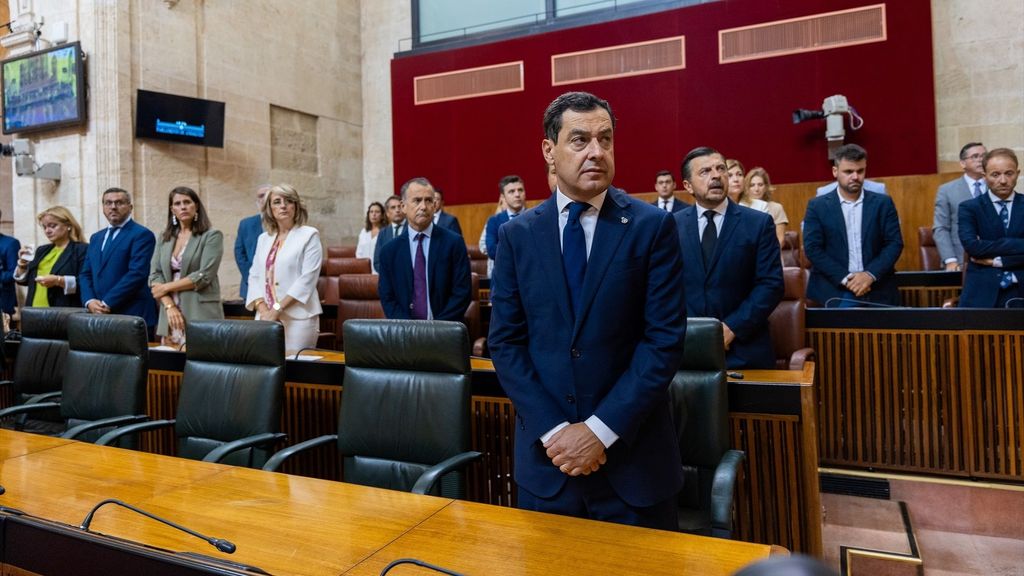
x=992 y=233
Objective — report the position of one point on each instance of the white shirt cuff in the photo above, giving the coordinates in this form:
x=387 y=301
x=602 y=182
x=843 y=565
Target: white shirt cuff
x=70 y=285
x=997 y=262
x=949 y=261
x=544 y=439
x=602 y=431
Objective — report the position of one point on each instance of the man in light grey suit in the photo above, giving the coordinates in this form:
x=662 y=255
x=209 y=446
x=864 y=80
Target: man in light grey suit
x=949 y=197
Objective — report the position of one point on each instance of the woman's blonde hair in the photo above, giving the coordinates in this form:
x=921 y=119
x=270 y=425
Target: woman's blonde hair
x=290 y=195
x=758 y=171
x=63 y=215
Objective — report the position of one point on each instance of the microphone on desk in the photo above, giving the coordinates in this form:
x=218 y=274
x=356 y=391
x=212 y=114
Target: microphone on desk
x=417 y=563
x=861 y=303
x=219 y=544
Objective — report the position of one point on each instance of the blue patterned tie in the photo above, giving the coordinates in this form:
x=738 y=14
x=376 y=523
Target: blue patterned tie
x=977 y=188
x=419 y=281
x=1004 y=215
x=574 y=252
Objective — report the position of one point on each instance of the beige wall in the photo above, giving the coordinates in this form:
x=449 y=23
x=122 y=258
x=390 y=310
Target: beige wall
x=979 y=75
x=253 y=55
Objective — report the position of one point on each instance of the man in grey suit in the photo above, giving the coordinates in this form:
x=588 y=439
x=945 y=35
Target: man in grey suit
x=948 y=198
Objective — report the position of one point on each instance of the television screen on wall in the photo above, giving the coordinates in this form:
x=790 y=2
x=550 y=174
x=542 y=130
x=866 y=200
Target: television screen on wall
x=44 y=89
x=179 y=119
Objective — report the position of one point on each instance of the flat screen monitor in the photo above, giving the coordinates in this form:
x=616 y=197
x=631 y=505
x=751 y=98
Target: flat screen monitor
x=44 y=89
x=179 y=119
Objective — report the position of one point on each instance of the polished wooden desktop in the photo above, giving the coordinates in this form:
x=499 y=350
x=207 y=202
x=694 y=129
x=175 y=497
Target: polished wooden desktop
x=294 y=525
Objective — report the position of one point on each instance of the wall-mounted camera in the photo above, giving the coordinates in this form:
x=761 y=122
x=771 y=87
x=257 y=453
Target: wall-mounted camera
x=25 y=163
x=832 y=110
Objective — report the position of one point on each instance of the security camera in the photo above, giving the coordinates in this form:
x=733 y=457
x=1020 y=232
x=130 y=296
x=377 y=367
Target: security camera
x=832 y=110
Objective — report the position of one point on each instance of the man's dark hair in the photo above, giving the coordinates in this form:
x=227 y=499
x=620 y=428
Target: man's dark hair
x=116 y=190
x=506 y=181
x=662 y=173
x=575 y=101
x=418 y=180
x=968 y=147
x=851 y=152
x=1004 y=152
x=393 y=197
x=698 y=152
x=439 y=192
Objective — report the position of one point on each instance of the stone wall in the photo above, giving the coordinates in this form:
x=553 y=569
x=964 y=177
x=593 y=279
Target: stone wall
x=300 y=60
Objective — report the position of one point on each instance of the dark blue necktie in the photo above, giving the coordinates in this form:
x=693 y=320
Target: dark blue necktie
x=709 y=239
x=574 y=252
x=419 y=281
x=1004 y=215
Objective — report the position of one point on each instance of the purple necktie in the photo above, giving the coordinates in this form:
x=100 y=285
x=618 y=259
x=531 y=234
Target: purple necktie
x=419 y=281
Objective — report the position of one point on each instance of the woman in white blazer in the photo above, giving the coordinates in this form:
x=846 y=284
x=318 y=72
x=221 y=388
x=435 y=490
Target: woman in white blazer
x=282 y=280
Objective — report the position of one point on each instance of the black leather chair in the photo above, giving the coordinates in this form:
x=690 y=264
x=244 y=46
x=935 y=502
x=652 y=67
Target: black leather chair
x=700 y=407
x=404 y=422
x=229 y=405
x=39 y=366
x=105 y=373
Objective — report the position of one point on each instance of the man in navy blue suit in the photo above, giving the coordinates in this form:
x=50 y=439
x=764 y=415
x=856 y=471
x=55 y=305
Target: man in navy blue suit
x=733 y=268
x=514 y=192
x=665 y=186
x=116 y=270
x=442 y=218
x=587 y=330
x=991 y=229
x=424 y=272
x=249 y=230
x=394 y=210
x=9 y=248
x=852 y=238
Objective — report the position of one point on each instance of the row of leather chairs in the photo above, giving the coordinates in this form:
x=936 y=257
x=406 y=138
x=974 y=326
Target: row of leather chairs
x=231 y=392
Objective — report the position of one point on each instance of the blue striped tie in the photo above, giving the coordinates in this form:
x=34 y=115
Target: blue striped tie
x=1004 y=215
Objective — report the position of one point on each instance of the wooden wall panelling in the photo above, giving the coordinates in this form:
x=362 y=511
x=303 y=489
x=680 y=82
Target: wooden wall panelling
x=996 y=394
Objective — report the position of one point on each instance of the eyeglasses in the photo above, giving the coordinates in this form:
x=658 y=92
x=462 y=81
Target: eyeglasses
x=117 y=203
x=975 y=157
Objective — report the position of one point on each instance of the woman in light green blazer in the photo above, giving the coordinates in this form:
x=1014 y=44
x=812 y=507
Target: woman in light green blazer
x=183 y=275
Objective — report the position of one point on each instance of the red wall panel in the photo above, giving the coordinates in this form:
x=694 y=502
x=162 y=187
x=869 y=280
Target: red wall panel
x=743 y=109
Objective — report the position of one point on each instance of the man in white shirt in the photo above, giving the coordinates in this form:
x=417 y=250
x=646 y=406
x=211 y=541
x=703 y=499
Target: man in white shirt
x=665 y=186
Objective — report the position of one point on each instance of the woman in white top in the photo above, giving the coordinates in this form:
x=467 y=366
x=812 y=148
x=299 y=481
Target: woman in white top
x=758 y=188
x=282 y=280
x=368 y=235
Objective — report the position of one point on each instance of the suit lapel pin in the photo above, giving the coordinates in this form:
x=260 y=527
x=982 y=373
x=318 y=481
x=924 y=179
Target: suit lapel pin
x=624 y=220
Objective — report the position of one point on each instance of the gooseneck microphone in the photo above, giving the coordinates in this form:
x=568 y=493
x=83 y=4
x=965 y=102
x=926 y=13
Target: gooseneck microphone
x=859 y=303
x=421 y=563
x=218 y=543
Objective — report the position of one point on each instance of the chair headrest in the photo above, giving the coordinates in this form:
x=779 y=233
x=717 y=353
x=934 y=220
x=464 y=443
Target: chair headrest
x=793 y=279
x=420 y=345
x=46 y=323
x=236 y=342
x=108 y=333
x=358 y=287
x=704 y=347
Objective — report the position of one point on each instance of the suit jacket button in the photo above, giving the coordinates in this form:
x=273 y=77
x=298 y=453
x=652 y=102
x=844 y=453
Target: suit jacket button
x=570 y=399
x=575 y=353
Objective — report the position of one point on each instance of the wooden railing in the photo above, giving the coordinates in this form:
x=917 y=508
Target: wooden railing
x=914 y=197
x=932 y=391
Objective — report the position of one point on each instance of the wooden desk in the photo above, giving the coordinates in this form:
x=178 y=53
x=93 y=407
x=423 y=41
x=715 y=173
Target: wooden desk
x=472 y=538
x=13 y=444
x=293 y=525
x=777 y=501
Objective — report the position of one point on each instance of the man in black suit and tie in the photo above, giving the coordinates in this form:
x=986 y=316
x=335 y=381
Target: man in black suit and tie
x=424 y=272
x=665 y=186
x=732 y=266
x=442 y=218
x=945 y=228
x=396 y=225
